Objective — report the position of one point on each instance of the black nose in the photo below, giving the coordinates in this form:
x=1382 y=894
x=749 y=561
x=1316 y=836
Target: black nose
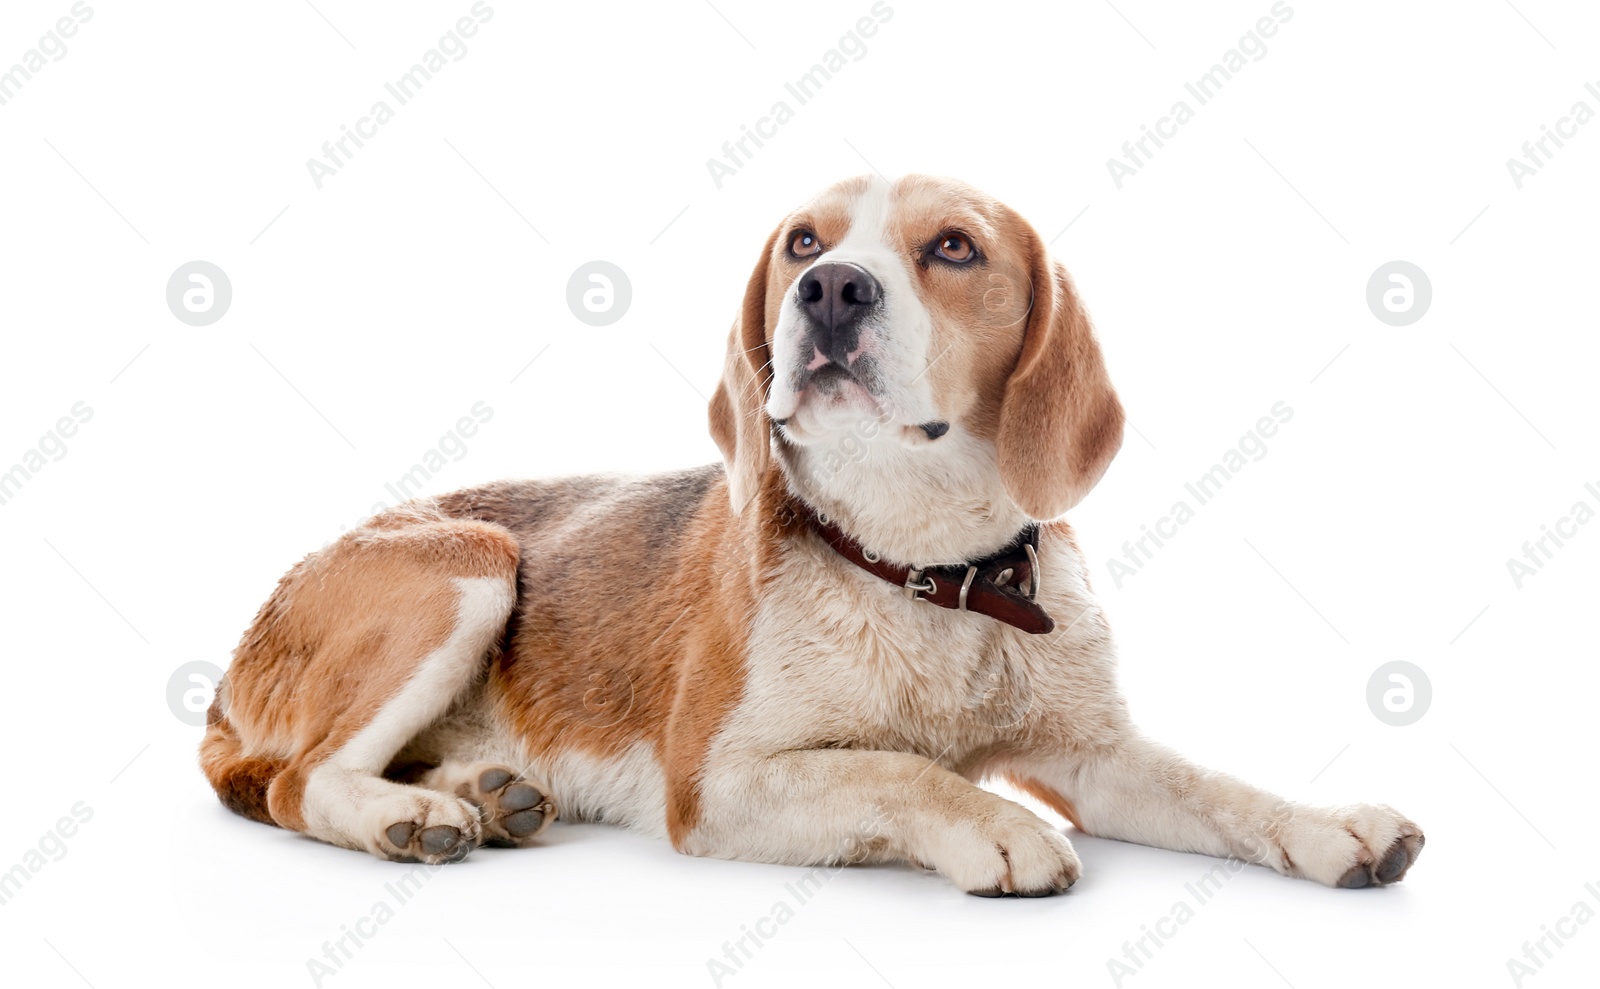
x=835 y=297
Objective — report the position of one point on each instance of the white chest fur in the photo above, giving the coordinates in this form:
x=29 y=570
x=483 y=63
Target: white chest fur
x=840 y=658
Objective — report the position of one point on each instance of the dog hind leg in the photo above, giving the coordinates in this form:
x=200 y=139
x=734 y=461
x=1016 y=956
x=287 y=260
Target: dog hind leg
x=365 y=645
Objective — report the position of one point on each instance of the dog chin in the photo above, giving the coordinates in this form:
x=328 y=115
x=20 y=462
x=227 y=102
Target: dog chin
x=833 y=408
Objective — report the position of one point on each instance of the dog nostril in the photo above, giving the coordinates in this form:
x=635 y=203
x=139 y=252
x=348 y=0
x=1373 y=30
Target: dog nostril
x=810 y=289
x=860 y=294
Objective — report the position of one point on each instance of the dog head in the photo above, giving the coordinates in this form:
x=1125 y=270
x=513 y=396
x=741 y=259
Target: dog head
x=933 y=313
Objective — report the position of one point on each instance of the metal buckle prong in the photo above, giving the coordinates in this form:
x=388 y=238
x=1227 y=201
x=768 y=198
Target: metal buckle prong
x=916 y=585
x=966 y=585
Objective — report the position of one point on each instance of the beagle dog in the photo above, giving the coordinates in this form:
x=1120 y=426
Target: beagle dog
x=810 y=654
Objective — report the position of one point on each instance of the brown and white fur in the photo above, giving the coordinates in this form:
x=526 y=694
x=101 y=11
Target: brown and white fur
x=682 y=655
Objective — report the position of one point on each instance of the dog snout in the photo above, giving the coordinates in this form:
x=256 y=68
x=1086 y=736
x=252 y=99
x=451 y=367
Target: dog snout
x=835 y=298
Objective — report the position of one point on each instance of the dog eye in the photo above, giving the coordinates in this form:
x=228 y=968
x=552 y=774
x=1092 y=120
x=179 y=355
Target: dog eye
x=804 y=244
x=956 y=247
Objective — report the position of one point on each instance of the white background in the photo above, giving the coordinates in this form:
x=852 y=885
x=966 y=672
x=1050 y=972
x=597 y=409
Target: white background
x=1227 y=275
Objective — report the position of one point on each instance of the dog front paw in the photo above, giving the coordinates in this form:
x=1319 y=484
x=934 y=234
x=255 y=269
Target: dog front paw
x=1013 y=852
x=1351 y=847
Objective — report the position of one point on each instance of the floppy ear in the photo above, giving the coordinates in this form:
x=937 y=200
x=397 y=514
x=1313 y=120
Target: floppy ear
x=739 y=422
x=1060 y=421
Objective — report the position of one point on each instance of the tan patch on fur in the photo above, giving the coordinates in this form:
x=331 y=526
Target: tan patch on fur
x=286 y=796
x=1049 y=796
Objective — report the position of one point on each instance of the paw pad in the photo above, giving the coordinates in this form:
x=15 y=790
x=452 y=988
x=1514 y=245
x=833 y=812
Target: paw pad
x=438 y=843
x=513 y=809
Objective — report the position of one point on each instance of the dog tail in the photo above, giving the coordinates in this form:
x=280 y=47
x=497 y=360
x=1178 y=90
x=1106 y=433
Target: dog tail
x=241 y=781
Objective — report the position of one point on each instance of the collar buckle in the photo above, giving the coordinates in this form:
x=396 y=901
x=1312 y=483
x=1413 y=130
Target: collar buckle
x=916 y=586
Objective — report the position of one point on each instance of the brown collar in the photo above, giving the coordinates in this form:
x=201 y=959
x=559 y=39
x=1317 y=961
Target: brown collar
x=1004 y=586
